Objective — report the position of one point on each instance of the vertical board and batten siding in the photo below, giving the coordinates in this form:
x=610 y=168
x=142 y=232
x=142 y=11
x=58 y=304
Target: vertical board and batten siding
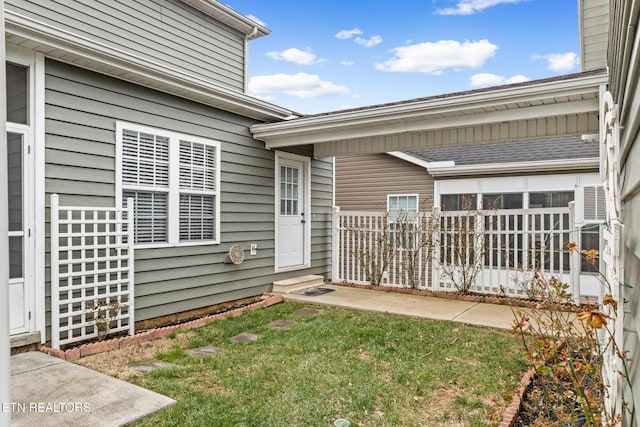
x=81 y=111
x=364 y=181
x=166 y=32
x=624 y=83
x=565 y=125
x=594 y=27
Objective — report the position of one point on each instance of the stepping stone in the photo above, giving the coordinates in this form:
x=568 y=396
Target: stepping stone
x=245 y=337
x=204 y=351
x=280 y=324
x=151 y=366
x=307 y=312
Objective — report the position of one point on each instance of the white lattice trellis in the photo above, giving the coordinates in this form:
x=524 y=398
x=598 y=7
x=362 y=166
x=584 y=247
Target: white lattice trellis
x=613 y=253
x=91 y=272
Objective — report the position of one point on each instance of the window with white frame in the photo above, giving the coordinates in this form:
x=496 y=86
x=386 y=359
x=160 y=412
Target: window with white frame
x=401 y=208
x=174 y=181
x=402 y=203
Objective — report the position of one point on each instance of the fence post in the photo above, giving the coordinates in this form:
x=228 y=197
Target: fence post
x=335 y=243
x=435 y=256
x=55 y=262
x=575 y=262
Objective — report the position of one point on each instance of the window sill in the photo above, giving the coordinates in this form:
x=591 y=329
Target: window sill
x=172 y=245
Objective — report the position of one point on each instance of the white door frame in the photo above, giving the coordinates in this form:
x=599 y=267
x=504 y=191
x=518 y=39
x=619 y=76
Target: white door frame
x=306 y=208
x=35 y=191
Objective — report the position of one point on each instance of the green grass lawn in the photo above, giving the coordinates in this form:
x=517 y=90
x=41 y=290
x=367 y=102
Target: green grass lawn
x=372 y=369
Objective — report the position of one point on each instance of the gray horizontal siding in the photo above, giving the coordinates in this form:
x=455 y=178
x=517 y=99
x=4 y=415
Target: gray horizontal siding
x=81 y=111
x=595 y=33
x=167 y=32
x=363 y=182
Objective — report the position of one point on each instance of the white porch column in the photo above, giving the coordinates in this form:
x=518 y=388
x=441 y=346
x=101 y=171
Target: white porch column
x=335 y=243
x=5 y=344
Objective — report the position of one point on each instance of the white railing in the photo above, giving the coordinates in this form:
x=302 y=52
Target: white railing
x=508 y=247
x=91 y=272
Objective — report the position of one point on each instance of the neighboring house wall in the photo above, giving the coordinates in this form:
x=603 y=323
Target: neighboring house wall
x=363 y=182
x=166 y=32
x=624 y=81
x=81 y=112
x=594 y=33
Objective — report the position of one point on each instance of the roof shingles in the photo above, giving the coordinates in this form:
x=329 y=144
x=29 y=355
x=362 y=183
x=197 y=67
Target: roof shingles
x=559 y=148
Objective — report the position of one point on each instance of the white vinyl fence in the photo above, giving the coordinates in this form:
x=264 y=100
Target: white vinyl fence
x=429 y=251
x=91 y=272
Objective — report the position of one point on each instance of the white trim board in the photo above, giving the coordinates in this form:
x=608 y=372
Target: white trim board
x=514 y=184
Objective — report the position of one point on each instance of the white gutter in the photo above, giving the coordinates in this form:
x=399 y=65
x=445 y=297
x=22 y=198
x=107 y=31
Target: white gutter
x=246 y=57
x=99 y=57
x=224 y=13
x=517 y=167
x=419 y=162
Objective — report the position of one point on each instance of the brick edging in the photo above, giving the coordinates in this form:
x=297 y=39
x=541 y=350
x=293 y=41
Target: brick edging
x=152 y=334
x=512 y=412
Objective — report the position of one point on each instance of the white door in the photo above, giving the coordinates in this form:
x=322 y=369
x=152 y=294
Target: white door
x=20 y=292
x=291 y=218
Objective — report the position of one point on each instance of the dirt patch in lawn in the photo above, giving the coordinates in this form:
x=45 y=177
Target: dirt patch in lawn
x=116 y=362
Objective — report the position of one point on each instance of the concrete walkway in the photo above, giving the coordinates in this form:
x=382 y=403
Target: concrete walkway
x=47 y=391
x=473 y=313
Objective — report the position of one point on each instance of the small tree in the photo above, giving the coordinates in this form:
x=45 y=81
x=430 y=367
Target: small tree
x=462 y=248
x=414 y=237
x=376 y=251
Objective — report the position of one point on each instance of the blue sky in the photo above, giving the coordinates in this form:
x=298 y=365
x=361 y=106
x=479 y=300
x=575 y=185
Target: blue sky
x=327 y=55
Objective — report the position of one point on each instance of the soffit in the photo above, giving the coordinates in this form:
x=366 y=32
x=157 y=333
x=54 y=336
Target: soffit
x=540 y=104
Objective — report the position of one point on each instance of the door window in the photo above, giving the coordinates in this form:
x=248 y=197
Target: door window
x=16 y=227
x=289 y=195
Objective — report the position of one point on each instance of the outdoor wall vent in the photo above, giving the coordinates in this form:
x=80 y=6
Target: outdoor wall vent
x=590 y=205
x=235 y=255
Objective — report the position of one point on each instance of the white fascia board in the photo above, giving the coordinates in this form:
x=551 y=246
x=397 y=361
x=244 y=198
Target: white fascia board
x=224 y=13
x=419 y=162
x=413 y=116
x=518 y=167
x=157 y=76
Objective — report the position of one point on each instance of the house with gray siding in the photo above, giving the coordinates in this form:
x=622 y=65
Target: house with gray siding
x=146 y=100
x=87 y=86
x=600 y=103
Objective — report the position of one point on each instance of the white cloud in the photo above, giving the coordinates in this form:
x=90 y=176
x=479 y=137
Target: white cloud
x=347 y=34
x=434 y=58
x=373 y=41
x=488 y=79
x=302 y=57
x=302 y=85
x=469 y=7
x=257 y=20
x=560 y=62
x=345 y=62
